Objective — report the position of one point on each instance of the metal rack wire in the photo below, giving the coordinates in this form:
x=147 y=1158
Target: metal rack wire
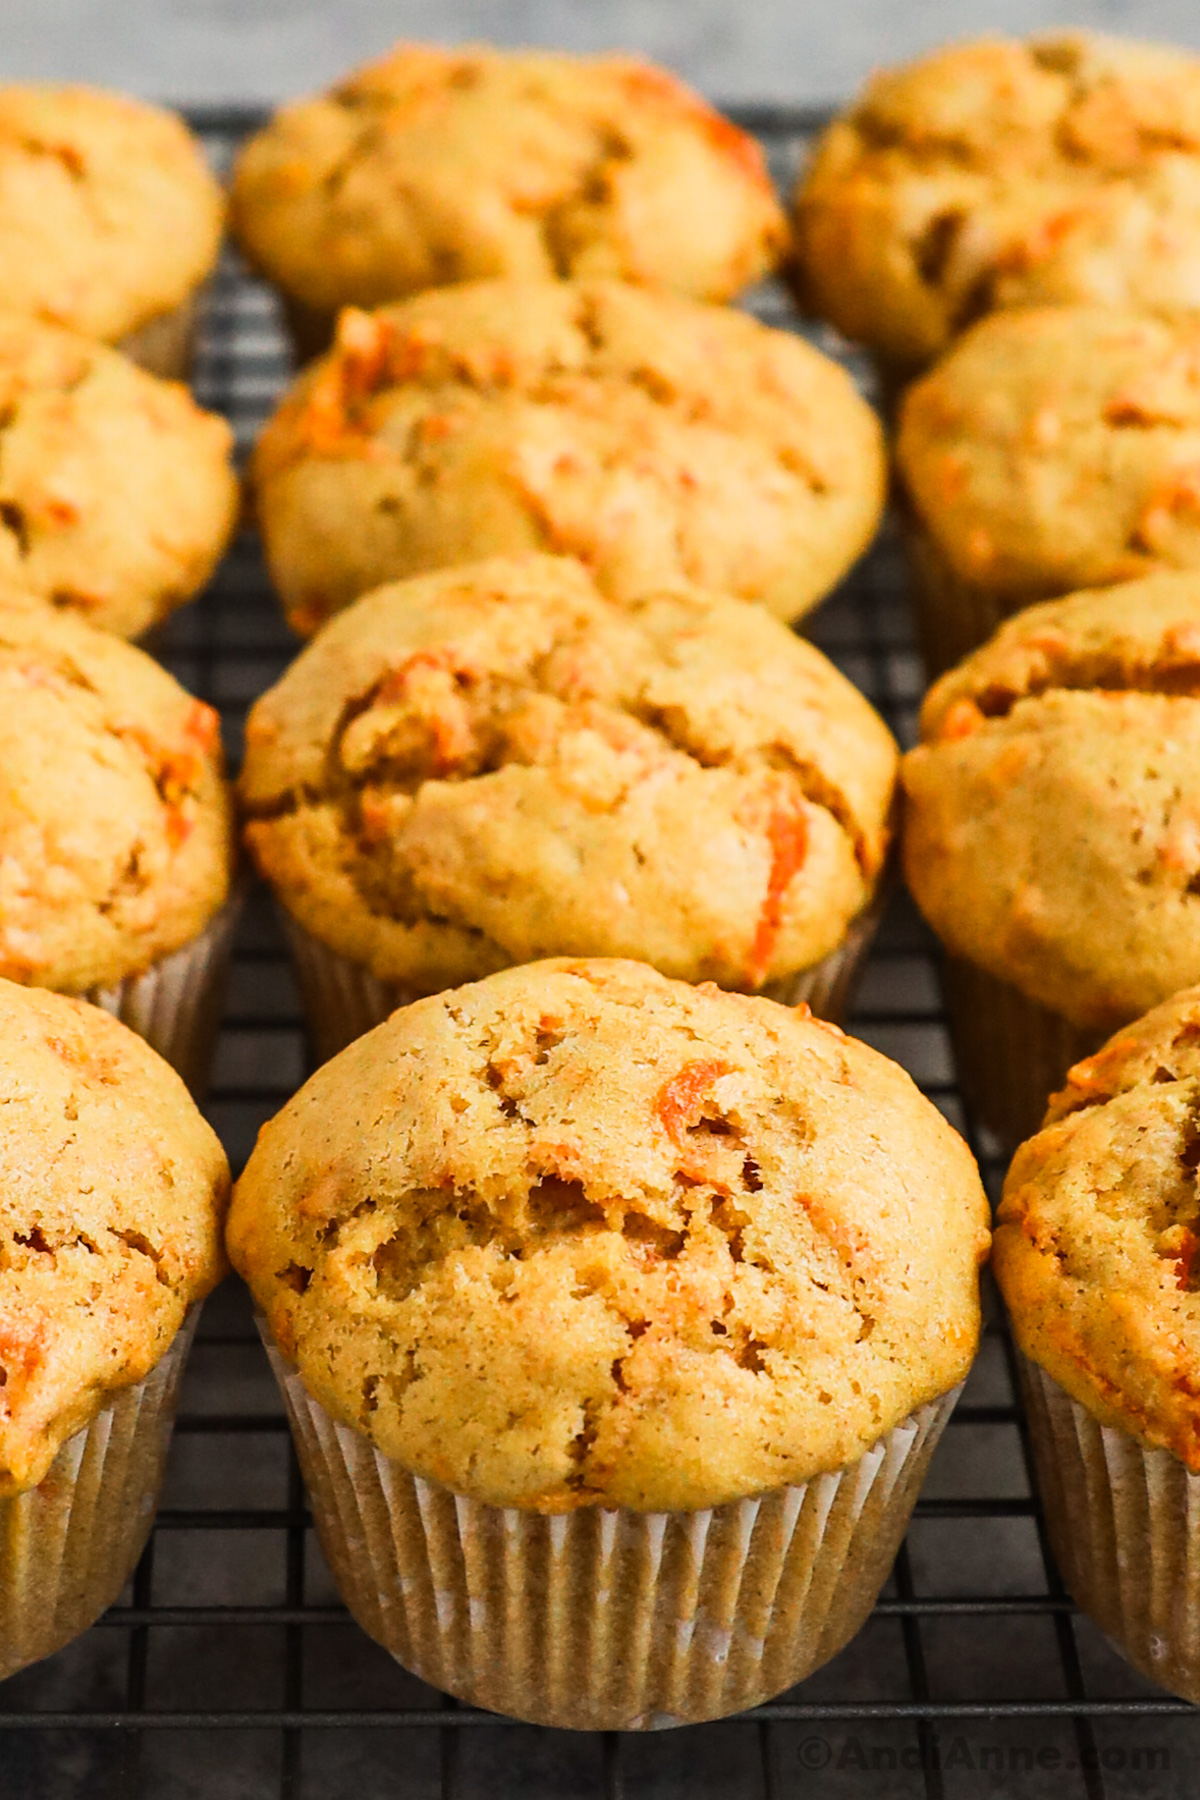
x=230 y=1669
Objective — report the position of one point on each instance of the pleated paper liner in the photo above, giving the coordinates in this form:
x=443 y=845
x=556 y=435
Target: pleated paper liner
x=68 y=1546
x=176 y=1003
x=607 y=1619
x=1124 y=1525
x=165 y=345
x=1011 y=1053
x=953 y=616
x=342 y=999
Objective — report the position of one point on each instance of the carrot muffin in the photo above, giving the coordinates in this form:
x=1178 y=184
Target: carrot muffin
x=1063 y=170
x=494 y=763
x=117 y=493
x=116 y=840
x=432 y=166
x=1051 y=450
x=109 y=219
x=657 y=439
x=112 y=1195
x=1052 y=831
x=616 y=1317
x=1098 y=1258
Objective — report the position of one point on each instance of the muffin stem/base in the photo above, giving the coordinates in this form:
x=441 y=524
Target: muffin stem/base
x=343 y=999
x=175 y=1004
x=68 y=1546
x=1124 y=1525
x=1011 y=1053
x=608 y=1619
x=953 y=616
x=165 y=345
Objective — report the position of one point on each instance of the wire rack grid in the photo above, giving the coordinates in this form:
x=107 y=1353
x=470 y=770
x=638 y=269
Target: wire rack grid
x=230 y=1670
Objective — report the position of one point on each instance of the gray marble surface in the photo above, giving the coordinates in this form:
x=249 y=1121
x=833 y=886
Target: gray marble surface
x=201 y=50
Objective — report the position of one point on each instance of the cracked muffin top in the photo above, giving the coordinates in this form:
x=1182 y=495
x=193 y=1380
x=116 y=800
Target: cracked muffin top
x=1057 y=449
x=117 y=492
x=993 y=174
x=112 y=1195
x=433 y=166
x=580 y=1235
x=657 y=439
x=1097 y=1248
x=115 y=820
x=109 y=216
x=495 y=763
x=1052 y=819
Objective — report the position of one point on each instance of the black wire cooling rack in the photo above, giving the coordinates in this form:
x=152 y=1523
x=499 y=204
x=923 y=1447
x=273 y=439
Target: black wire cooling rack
x=230 y=1671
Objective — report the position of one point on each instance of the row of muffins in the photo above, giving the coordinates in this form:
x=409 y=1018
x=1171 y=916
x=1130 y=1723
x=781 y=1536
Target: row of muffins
x=616 y=717
x=464 y=712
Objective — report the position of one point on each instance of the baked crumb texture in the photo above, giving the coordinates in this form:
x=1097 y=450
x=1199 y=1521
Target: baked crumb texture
x=1003 y=174
x=116 y=829
x=657 y=439
x=495 y=763
x=1097 y=1247
x=1052 y=820
x=433 y=166
x=117 y=492
x=112 y=1196
x=581 y=1235
x=109 y=216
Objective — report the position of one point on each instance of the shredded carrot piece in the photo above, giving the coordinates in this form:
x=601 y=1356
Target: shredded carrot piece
x=961 y=720
x=678 y=1098
x=787 y=834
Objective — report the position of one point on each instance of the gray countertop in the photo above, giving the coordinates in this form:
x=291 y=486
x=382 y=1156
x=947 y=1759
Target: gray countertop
x=205 y=50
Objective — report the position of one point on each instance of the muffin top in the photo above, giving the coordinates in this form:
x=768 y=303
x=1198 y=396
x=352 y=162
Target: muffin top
x=109 y=216
x=433 y=166
x=112 y=1192
x=1052 y=826
x=117 y=493
x=494 y=763
x=1097 y=1247
x=115 y=821
x=1059 y=448
x=993 y=174
x=581 y=1235
x=658 y=439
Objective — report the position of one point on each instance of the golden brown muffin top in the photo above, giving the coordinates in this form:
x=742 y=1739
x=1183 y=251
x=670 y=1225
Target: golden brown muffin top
x=995 y=173
x=1052 y=826
x=117 y=493
x=109 y=215
x=112 y=1195
x=659 y=440
x=1058 y=449
x=1097 y=1247
x=115 y=820
x=494 y=763
x=432 y=166
x=579 y=1235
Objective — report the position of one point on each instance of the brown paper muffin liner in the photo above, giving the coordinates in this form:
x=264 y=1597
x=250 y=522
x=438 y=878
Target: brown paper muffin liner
x=1124 y=1525
x=175 y=1004
x=953 y=615
x=342 y=999
x=1011 y=1053
x=607 y=1619
x=68 y=1546
x=310 y=328
x=165 y=345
